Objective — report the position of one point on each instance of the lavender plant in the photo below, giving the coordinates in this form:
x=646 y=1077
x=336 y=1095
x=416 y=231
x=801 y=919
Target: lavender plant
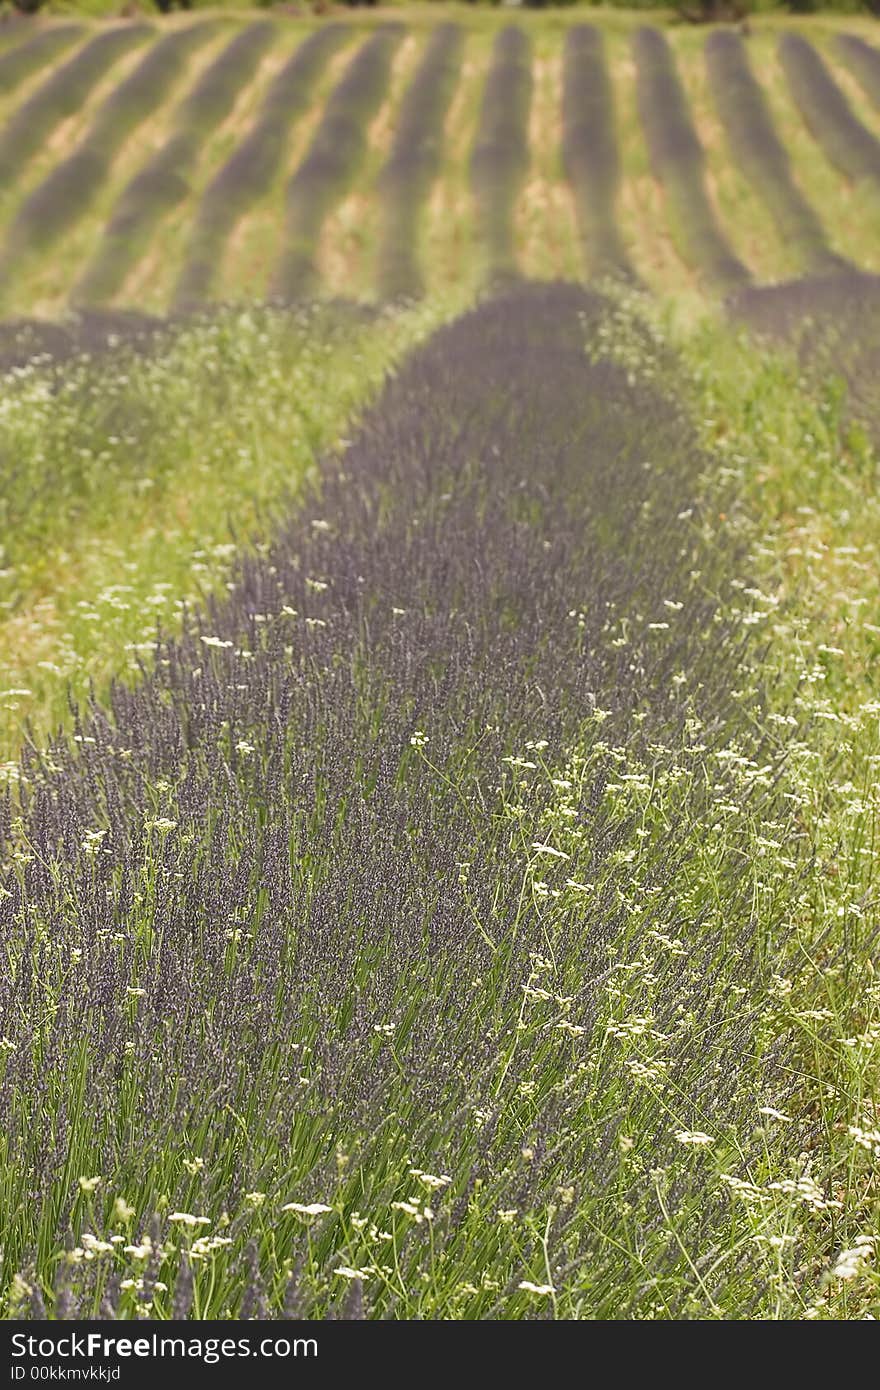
x=844 y=139
x=38 y=50
x=64 y=195
x=139 y=470
x=863 y=60
x=500 y=157
x=414 y=163
x=163 y=181
x=61 y=95
x=251 y=169
x=756 y=147
x=407 y=941
x=589 y=150
x=678 y=160
x=27 y=343
x=332 y=160
x=834 y=321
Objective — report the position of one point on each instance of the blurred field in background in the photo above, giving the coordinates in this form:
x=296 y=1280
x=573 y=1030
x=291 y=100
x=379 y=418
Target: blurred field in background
x=143 y=205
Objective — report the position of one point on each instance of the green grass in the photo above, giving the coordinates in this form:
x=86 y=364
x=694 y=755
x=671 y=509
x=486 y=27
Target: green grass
x=136 y=481
x=799 y=491
x=382 y=1194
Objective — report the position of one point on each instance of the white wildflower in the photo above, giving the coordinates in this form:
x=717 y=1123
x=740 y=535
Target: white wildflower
x=849 y=1264
x=142 y=1251
x=431 y=1180
x=93 y=1246
x=203 y=1246
x=122 y=1211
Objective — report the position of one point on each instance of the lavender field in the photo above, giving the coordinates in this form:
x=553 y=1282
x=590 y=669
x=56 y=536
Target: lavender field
x=439 y=734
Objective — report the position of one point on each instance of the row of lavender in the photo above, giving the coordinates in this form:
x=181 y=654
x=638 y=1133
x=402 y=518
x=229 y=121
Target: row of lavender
x=332 y=160
x=500 y=157
x=20 y=62
x=283 y=951
x=846 y=141
x=163 y=182
x=678 y=160
x=678 y=157
x=61 y=95
x=65 y=194
x=833 y=309
x=337 y=150
x=589 y=151
x=252 y=168
x=759 y=152
x=414 y=162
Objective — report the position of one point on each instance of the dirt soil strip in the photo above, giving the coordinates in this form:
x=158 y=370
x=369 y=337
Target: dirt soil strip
x=502 y=561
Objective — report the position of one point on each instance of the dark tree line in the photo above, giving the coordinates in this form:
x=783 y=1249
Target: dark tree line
x=693 y=11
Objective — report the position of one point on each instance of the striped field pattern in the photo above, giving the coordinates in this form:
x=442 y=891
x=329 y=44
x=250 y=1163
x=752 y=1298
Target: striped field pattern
x=439 y=742
x=167 y=165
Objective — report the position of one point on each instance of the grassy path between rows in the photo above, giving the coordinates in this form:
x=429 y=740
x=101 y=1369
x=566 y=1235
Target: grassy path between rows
x=445 y=927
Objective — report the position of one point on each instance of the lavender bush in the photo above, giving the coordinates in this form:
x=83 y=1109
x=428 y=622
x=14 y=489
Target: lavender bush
x=835 y=322
x=61 y=95
x=760 y=154
x=163 y=182
x=28 y=57
x=66 y=192
x=251 y=169
x=589 y=150
x=845 y=141
x=415 y=162
x=678 y=161
x=863 y=60
x=500 y=157
x=332 y=160
x=34 y=342
x=394 y=947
